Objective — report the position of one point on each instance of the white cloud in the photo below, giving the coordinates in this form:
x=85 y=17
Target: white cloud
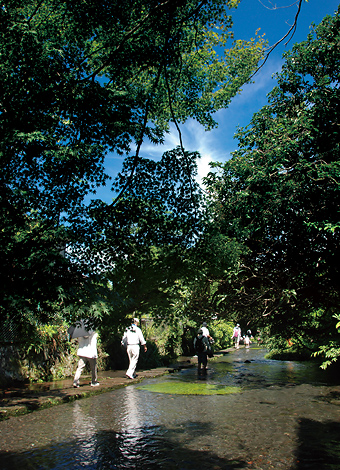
x=215 y=145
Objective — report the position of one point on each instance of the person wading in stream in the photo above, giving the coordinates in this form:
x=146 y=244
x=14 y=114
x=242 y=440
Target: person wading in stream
x=133 y=336
x=201 y=346
x=206 y=333
x=236 y=336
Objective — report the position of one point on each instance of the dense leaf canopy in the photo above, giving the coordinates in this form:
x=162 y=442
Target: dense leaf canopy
x=279 y=197
x=80 y=79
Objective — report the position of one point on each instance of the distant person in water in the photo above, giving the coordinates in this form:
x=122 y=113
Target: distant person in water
x=246 y=341
x=236 y=336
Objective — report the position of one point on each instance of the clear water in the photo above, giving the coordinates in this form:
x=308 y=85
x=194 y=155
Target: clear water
x=286 y=416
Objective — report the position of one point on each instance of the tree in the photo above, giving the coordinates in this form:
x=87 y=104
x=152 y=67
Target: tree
x=147 y=235
x=80 y=79
x=279 y=198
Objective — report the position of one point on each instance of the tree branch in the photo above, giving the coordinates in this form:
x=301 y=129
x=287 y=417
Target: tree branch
x=291 y=31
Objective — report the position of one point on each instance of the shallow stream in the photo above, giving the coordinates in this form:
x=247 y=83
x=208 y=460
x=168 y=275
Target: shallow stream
x=247 y=413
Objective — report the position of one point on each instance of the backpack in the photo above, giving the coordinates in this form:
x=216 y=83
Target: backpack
x=200 y=346
x=124 y=343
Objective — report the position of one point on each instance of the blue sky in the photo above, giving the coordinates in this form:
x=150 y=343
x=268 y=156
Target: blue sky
x=216 y=145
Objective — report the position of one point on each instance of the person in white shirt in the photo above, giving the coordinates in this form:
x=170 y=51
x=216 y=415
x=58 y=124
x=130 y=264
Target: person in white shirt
x=205 y=331
x=134 y=338
x=87 y=351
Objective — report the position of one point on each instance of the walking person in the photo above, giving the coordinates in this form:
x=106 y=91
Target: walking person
x=87 y=352
x=201 y=346
x=133 y=337
x=207 y=334
x=205 y=331
x=236 y=336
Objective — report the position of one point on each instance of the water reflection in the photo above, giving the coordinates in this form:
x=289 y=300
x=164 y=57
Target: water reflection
x=133 y=419
x=84 y=433
x=284 y=411
x=132 y=424
x=84 y=425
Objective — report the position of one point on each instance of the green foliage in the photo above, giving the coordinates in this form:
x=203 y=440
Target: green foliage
x=47 y=352
x=330 y=351
x=147 y=240
x=50 y=335
x=162 y=208
x=173 y=336
x=295 y=348
x=221 y=331
x=33 y=270
x=279 y=198
x=79 y=80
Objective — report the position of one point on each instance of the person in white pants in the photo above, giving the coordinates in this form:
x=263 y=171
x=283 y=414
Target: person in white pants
x=87 y=351
x=134 y=338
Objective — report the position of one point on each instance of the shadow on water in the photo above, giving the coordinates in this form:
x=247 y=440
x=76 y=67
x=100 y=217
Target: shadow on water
x=140 y=449
x=319 y=445
x=150 y=449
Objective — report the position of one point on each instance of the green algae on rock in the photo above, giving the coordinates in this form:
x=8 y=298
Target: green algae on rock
x=188 y=388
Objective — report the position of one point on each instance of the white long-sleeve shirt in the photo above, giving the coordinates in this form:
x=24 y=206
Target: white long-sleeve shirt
x=88 y=346
x=134 y=335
